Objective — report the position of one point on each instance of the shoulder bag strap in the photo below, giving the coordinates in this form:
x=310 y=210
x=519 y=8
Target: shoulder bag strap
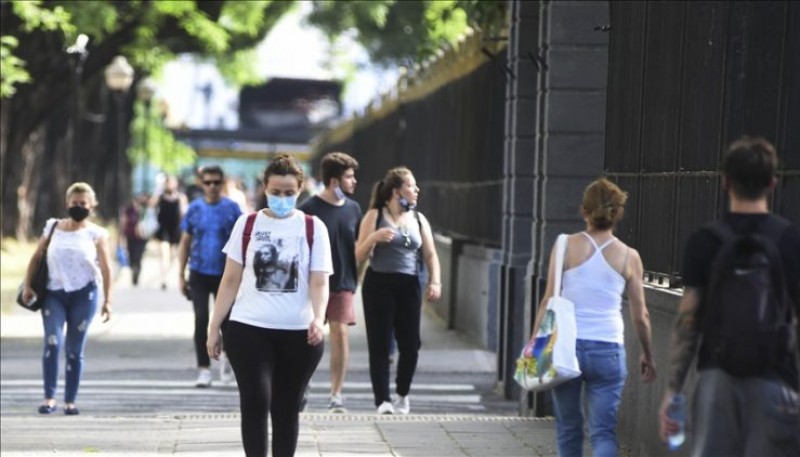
x=309 y=235
x=50 y=237
x=561 y=249
x=248 y=230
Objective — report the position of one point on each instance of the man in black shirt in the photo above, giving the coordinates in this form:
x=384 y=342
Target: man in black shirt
x=737 y=415
x=342 y=216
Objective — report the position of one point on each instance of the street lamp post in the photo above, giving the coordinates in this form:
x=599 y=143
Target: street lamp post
x=79 y=53
x=119 y=77
x=146 y=90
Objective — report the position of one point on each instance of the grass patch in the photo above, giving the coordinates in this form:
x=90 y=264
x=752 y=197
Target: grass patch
x=16 y=255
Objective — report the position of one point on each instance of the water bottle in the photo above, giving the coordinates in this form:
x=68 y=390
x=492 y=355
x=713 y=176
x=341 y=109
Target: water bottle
x=677 y=412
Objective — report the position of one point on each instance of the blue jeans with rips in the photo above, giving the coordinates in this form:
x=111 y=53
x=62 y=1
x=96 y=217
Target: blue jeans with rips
x=603 y=372
x=75 y=309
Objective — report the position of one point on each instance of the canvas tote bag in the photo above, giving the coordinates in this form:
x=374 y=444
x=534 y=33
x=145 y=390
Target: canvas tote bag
x=549 y=357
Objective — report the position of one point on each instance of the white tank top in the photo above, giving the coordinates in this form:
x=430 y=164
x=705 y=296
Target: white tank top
x=596 y=290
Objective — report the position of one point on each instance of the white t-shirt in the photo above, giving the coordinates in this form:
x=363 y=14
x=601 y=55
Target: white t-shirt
x=274 y=289
x=72 y=257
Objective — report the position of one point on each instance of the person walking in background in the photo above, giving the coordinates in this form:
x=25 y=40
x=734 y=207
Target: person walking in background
x=746 y=399
x=131 y=238
x=233 y=191
x=77 y=258
x=170 y=205
x=598 y=269
x=341 y=216
x=271 y=310
x=393 y=236
x=206 y=227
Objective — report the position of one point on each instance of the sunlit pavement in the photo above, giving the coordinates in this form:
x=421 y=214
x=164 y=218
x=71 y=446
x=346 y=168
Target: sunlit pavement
x=137 y=396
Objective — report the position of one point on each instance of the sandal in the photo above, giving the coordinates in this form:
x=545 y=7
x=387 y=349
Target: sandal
x=47 y=409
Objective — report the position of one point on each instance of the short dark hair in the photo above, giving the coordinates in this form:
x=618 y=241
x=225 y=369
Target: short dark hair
x=749 y=167
x=334 y=164
x=283 y=165
x=212 y=170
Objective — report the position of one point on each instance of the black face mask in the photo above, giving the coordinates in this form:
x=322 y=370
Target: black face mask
x=78 y=213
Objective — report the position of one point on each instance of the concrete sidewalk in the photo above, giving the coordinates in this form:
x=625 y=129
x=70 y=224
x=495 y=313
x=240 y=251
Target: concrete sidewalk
x=137 y=396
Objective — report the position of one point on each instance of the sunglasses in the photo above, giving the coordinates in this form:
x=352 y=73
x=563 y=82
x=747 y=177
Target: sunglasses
x=213 y=183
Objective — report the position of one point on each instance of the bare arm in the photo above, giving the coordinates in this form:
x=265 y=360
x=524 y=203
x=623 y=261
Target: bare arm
x=183 y=258
x=104 y=259
x=685 y=337
x=431 y=259
x=368 y=237
x=226 y=294
x=639 y=315
x=318 y=292
x=682 y=349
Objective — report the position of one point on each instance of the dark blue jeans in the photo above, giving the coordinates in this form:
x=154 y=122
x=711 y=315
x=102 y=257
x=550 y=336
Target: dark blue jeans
x=603 y=372
x=75 y=309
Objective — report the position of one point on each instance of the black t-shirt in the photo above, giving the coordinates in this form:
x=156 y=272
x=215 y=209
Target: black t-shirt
x=342 y=223
x=701 y=249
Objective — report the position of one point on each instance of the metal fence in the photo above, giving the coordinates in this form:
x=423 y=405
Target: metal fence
x=452 y=139
x=686 y=79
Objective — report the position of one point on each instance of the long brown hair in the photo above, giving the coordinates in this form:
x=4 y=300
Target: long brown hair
x=382 y=191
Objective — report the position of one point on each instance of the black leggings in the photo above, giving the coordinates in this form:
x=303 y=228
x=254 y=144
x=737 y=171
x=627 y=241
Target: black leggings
x=391 y=301
x=201 y=287
x=272 y=369
x=135 y=253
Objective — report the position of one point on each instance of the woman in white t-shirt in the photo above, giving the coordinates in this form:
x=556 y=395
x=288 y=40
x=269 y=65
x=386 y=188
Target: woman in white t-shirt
x=271 y=307
x=77 y=257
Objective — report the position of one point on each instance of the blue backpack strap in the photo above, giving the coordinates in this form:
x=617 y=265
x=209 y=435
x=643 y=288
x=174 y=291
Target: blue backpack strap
x=248 y=230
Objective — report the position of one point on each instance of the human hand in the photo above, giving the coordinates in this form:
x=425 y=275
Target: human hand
x=667 y=426
x=214 y=343
x=647 y=369
x=105 y=313
x=383 y=235
x=315 y=332
x=28 y=294
x=434 y=291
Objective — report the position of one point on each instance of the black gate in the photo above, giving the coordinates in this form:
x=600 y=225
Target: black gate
x=452 y=139
x=686 y=79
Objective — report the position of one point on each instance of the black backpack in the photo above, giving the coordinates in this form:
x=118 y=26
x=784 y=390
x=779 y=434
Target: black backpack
x=747 y=321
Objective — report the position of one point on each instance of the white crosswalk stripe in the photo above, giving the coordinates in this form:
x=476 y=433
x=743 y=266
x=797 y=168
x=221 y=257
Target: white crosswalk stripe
x=151 y=396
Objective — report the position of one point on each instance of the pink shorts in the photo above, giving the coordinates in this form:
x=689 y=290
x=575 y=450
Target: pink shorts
x=341 y=308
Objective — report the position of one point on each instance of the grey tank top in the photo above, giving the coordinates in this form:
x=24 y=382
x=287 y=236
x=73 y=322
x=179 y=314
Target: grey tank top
x=401 y=254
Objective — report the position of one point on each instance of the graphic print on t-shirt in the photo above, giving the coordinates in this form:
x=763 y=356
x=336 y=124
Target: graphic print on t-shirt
x=275 y=262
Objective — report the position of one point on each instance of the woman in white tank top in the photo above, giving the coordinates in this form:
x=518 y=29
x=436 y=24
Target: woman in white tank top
x=598 y=269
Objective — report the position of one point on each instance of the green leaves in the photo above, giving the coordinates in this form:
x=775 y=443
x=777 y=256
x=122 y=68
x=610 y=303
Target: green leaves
x=152 y=142
x=396 y=32
x=35 y=17
x=13 y=67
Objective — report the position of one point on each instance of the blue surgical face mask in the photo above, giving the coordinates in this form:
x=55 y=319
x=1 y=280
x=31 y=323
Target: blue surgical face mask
x=339 y=193
x=405 y=204
x=281 y=206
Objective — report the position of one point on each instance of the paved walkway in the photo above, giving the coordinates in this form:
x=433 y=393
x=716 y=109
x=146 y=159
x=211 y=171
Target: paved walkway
x=137 y=396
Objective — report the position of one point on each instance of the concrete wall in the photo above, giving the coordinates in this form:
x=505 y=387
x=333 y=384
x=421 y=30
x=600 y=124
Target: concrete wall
x=638 y=416
x=470 y=292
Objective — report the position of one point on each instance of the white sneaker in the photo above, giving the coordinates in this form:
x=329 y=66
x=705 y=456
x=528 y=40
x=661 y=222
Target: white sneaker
x=386 y=408
x=402 y=405
x=336 y=405
x=203 y=378
x=225 y=370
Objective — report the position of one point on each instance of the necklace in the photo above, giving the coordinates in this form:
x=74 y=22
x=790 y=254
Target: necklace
x=402 y=227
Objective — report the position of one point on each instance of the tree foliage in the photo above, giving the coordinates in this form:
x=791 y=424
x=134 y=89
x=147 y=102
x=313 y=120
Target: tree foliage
x=400 y=32
x=43 y=123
